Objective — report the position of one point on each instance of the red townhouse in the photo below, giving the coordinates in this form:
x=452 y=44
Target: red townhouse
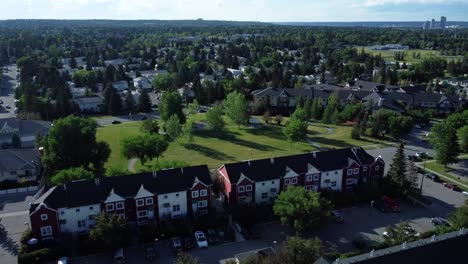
x=338 y=170
x=139 y=198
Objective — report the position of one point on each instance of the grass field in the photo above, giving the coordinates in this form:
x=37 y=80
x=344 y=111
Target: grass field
x=236 y=145
x=389 y=55
x=439 y=168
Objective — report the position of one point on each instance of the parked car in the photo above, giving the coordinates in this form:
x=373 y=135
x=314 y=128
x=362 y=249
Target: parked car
x=201 y=239
x=337 y=216
x=449 y=185
x=411 y=231
x=465 y=193
x=150 y=253
x=433 y=177
x=188 y=243
x=437 y=221
x=390 y=202
x=212 y=237
x=381 y=206
x=119 y=257
x=176 y=245
x=116 y=122
x=64 y=260
x=421 y=155
x=386 y=234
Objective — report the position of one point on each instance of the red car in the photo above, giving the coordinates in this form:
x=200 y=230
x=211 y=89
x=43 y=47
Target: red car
x=390 y=202
x=449 y=185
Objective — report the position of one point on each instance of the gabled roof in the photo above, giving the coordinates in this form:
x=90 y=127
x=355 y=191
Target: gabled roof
x=93 y=191
x=19 y=159
x=275 y=168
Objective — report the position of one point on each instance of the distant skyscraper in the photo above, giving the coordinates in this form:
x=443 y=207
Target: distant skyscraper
x=443 y=20
x=433 y=24
x=426 y=25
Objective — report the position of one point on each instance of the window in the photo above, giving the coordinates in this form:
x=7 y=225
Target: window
x=326 y=173
x=77 y=210
x=264 y=195
x=350 y=171
x=203 y=212
x=364 y=168
x=44 y=217
x=377 y=167
x=91 y=208
x=81 y=223
x=46 y=231
x=309 y=188
x=203 y=192
x=240 y=189
x=109 y=207
x=349 y=181
x=203 y=203
x=62 y=221
x=336 y=172
x=286 y=181
x=333 y=184
x=12 y=172
x=263 y=184
x=356 y=170
x=149 y=201
x=119 y=205
x=176 y=208
x=273 y=190
x=272 y=182
x=62 y=213
x=316 y=177
x=165 y=196
x=194 y=194
x=177 y=195
x=142 y=214
x=293 y=180
x=140 y=202
x=248 y=188
x=309 y=178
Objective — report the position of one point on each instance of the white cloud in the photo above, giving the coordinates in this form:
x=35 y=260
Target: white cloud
x=371 y=3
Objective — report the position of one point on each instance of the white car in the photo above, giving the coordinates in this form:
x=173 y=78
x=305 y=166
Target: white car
x=64 y=260
x=465 y=193
x=201 y=239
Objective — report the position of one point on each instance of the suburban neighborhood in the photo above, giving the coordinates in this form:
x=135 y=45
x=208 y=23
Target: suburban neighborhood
x=213 y=141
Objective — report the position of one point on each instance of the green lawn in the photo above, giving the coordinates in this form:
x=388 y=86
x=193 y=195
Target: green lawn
x=236 y=145
x=389 y=55
x=439 y=168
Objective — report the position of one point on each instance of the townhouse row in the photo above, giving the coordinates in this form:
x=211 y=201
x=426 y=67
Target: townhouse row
x=187 y=192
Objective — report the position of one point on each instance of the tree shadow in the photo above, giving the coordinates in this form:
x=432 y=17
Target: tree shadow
x=209 y=152
x=268 y=131
x=330 y=142
x=8 y=244
x=231 y=137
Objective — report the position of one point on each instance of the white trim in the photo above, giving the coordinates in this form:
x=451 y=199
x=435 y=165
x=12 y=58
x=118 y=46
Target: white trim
x=143 y=193
x=203 y=193
x=46 y=231
x=240 y=189
x=286 y=181
x=149 y=200
x=356 y=171
x=195 y=194
x=140 y=202
x=197 y=181
x=113 y=197
x=364 y=168
x=248 y=188
x=119 y=206
x=202 y=203
x=349 y=181
x=316 y=177
x=309 y=178
x=44 y=217
x=110 y=207
x=141 y=214
x=349 y=172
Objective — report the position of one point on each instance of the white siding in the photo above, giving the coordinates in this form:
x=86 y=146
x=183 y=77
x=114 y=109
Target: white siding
x=328 y=177
x=72 y=216
x=265 y=187
x=168 y=200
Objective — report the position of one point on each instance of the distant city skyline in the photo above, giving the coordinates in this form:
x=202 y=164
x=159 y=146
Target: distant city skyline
x=239 y=10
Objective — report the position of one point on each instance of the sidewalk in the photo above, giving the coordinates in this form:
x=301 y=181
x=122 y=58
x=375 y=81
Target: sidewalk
x=444 y=177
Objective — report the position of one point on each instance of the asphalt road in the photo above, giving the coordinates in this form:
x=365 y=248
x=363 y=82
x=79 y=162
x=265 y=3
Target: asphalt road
x=7 y=92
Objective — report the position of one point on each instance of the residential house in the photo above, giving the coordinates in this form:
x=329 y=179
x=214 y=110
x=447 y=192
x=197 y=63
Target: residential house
x=360 y=85
x=120 y=86
x=186 y=92
x=443 y=104
x=235 y=73
x=142 y=83
x=26 y=129
x=19 y=164
x=260 y=181
x=89 y=104
x=139 y=198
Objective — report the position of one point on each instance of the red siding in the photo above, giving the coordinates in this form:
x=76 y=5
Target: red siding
x=37 y=223
x=226 y=182
x=198 y=187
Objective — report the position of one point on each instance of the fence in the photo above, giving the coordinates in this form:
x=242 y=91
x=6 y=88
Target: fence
x=19 y=190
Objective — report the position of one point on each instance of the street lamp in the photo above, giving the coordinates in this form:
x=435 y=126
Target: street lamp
x=424 y=174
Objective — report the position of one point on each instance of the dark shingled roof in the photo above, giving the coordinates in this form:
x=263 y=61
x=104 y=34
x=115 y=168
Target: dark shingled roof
x=84 y=192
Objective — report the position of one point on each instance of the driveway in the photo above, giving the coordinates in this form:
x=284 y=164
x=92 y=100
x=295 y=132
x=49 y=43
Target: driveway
x=15 y=217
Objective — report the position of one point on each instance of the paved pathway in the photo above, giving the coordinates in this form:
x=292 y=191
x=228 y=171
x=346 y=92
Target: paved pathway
x=131 y=165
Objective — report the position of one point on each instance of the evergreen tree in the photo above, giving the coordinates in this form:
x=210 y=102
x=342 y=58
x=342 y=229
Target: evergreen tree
x=397 y=171
x=144 y=102
x=115 y=103
x=130 y=102
x=316 y=109
x=412 y=176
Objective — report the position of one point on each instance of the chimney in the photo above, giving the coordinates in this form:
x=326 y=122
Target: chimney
x=403 y=246
x=97 y=181
x=314 y=154
x=155 y=175
x=372 y=253
x=272 y=161
x=248 y=162
x=65 y=186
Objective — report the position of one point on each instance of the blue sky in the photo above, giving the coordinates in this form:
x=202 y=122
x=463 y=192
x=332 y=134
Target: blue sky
x=242 y=10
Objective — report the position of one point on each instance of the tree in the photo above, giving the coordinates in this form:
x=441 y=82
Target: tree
x=399 y=234
x=300 y=208
x=462 y=134
x=184 y=258
x=144 y=147
x=71 y=174
x=444 y=140
x=330 y=109
x=164 y=82
x=170 y=104
x=236 y=108
x=459 y=217
x=295 y=130
x=72 y=143
x=278 y=119
x=356 y=132
x=299 y=250
x=412 y=176
x=214 y=118
x=173 y=127
x=110 y=231
x=397 y=171
x=112 y=102
x=187 y=132
x=266 y=117
x=150 y=126
x=130 y=102
x=144 y=102
x=16 y=141
x=193 y=107
x=399 y=125
x=316 y=109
